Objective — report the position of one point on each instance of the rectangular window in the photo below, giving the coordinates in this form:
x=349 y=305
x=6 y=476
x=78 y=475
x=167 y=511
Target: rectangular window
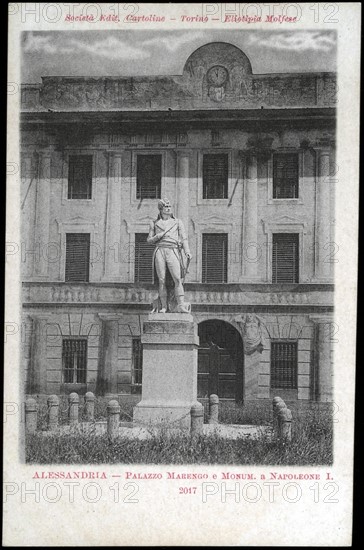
x=215 y=176
x=80 y=177
x=77 y=257
x=143 y=259
x=74 y=360
x=137 y=361
x=283 y=365
x=285 y=176
x=149 y=176
x=214 y=257
x=285 y=258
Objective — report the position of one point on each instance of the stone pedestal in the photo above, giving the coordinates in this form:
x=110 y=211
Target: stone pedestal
x=169 y=390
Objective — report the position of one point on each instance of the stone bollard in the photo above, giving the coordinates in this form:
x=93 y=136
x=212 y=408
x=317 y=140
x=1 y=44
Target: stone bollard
x=285 y=424
x=113 y=418
x=90 y=406
x=73 y=403
x=197 y=413
x=53 y=407
x=31 y=412
x=276 y=400
x=213 y=409
x=278 y=404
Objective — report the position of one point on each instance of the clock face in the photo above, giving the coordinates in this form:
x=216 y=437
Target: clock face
x=217 y=76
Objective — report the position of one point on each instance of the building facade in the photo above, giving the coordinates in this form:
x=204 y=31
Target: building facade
x=248 y=161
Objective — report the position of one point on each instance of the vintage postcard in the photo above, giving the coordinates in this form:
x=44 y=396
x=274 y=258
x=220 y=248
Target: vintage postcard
x=181 y=274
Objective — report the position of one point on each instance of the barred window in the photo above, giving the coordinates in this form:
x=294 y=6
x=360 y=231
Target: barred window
x=215 y=176
x=74 y=360
x=80 y=177
x=143 y=259
x=285 y=258
x=149 y=176
x=283 y=365
x=77 y=257
x=214 y=257
x=285 y=176
x=137 y=361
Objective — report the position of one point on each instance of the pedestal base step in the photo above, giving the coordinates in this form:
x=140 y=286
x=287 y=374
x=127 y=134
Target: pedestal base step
x=170 y=415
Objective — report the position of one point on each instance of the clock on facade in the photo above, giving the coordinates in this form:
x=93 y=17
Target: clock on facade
x=217 y=75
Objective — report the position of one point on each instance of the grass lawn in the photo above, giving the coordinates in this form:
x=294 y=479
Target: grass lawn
x=312 y=442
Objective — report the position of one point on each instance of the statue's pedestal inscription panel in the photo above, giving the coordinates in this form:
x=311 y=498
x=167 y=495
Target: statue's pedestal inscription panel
x=170 y=344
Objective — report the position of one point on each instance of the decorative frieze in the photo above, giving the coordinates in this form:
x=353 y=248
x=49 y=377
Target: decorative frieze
x=112 y=294
x=154 y=140
x=154 y=93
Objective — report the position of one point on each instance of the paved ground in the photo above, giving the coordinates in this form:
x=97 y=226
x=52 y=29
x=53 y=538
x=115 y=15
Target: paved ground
x=128 y=430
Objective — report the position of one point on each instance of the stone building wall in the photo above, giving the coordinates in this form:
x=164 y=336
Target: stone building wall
x=250 y=117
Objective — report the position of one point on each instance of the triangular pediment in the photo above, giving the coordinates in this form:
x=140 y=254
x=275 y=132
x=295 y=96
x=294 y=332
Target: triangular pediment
x=144 y=219
x=77 y=220
x=282 y=223
x=137 y=223
x=285 y=220
x=213 y=219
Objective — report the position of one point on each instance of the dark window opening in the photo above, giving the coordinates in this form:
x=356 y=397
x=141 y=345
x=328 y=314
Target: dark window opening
x=283 y=365
x=137 y=361
x=80 y=177
x=214 y=257
x=143 y=259
x=77 y=257
x=215 y=176
x=285 y=258
x=74 y=360
x=149 y=176
x=285 y=176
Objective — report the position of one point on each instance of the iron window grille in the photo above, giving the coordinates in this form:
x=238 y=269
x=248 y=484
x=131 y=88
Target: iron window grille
x=74 y=360
x=283 y=365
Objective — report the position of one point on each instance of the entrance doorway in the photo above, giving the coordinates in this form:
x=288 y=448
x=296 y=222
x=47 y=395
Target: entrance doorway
x=220 y=361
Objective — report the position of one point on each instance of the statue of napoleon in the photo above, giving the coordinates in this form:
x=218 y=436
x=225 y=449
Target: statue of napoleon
x=169 y=236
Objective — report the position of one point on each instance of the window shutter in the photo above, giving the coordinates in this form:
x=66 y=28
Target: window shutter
x=149 y=176
x=285 y=258
x=284 y=365
x=80 y=177
x=77 y=257
x=285 y=176
x=143 y=259
x=214 y=257
x=215 y=176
